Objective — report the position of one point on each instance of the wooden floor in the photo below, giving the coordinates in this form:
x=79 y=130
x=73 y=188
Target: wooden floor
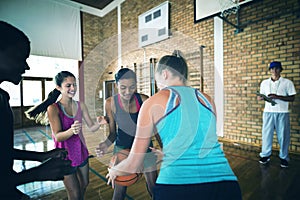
x=257 y=182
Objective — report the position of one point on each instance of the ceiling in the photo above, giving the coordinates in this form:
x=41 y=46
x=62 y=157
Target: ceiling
x=98 y=4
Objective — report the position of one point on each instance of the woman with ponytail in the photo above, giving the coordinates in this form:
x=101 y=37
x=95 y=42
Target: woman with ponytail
x=193 y=164
x=65 y=118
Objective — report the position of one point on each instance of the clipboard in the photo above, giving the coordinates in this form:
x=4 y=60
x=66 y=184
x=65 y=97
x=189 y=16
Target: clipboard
x=268 y=99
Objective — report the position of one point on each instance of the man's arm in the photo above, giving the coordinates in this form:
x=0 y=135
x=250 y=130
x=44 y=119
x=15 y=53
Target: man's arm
x=39 y=156
x=28 y=155
x=283 y=98
x=52 y=169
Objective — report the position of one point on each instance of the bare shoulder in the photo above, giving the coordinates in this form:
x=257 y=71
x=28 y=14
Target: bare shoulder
x=160 y=98
x=109 y=101
x=109 y=104
x=52 y=109
x=155 y=105
x=210 y=99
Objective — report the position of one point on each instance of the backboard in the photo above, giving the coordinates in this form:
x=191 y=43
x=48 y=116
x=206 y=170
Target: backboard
x=204 y=9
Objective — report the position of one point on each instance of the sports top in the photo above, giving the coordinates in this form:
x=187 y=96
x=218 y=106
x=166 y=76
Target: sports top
x=192 y=153
x=126 y=122
x=75 y=145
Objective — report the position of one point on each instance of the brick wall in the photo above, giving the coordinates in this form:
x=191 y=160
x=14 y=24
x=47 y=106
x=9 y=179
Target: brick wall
x=272 y=32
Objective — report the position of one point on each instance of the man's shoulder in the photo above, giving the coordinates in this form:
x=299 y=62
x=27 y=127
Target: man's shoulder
x=265 y=81
x=285 y=80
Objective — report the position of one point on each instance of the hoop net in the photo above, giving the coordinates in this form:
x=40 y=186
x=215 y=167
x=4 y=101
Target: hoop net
x=229 y=7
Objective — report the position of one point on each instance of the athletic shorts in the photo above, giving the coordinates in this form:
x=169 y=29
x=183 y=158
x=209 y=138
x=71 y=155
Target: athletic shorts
x=74 y=169
x=209 y=191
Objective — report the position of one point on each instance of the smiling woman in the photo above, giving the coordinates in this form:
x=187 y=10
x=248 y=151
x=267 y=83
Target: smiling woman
x=65 y=116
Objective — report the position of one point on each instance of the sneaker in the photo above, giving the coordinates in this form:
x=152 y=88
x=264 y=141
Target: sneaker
x=264 y=160
x=284 y=163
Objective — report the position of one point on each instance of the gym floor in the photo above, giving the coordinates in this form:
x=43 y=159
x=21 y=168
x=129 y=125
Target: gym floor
x=256 y=181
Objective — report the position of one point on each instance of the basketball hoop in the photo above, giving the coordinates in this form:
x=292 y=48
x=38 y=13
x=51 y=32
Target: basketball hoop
x=229 y=7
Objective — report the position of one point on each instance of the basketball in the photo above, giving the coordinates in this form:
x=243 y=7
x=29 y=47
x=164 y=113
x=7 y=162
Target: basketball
x=128 y=179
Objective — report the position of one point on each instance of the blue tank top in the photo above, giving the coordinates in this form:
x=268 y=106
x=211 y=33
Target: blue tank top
x=192 y=153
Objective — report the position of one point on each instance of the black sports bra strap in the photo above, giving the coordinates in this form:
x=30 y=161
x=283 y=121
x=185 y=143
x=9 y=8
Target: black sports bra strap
x=139 y=98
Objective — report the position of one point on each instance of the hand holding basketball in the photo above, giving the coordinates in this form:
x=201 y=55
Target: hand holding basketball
x=124 y=180
x=111 y=176
x=117 y=177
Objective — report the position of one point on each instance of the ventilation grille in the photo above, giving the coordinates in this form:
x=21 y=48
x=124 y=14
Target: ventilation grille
x=154 y=25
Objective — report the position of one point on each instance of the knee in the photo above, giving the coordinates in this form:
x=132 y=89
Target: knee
x=74 y=194
x=85 y=184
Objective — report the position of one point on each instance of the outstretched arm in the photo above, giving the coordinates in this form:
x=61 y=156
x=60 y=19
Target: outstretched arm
x=103 y=146
x=52 y=169
x=93 y=126
x=39 y=156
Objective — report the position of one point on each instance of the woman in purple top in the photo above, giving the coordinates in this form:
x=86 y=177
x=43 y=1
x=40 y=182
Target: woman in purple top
x=65 y=118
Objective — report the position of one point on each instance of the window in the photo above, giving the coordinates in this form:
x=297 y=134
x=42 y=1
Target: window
x=41 y=66
x=144 y=38
x=148 y=18
x=32 y=92
x=156 y=14
x=49 y=86
x=14 y=93
x=42 y=70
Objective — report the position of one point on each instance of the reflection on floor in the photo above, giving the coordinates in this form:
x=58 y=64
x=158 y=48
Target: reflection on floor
x=257 y=181
x=35 y=139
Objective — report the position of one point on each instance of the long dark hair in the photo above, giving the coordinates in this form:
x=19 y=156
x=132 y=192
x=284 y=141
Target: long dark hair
x=39 y=112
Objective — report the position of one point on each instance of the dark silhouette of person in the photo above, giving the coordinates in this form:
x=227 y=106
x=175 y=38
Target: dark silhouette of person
x=14 y=50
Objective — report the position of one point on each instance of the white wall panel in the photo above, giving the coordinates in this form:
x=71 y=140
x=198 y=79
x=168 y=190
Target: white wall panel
x=53 y=28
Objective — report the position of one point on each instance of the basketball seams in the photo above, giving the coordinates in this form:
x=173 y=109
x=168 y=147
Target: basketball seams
x=126 y=180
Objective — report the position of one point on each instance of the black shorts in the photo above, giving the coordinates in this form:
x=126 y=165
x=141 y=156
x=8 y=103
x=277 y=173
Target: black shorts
x=74 y=169
x=207 y=191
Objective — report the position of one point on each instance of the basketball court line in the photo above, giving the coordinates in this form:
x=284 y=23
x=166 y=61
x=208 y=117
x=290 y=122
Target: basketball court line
x=45 y=134
x=28 y=136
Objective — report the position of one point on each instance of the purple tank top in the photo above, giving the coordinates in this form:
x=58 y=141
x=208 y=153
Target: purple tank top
x=75 y=145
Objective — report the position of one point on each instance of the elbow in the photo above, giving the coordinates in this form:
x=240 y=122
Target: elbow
x=292 y=98
x=57 y=137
